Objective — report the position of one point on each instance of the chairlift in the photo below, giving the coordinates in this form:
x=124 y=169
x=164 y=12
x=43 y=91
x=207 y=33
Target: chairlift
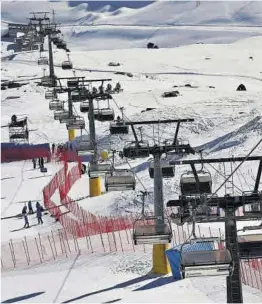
x=79 y=95
x=84 y=106
x=136 y=149
x=118 y=127
x=83 y=145
x=106 y=114
x=76 y=122
x=151 y=233
x=188 y=183
x=206 y=263
x=56 y=105
x=98 y=169
x=120 y=179
x=168 y=171
x=58 y=115
x=50 y=94
x=67 y=65
x=42 y=60
x=46 y=81
x=73 y=83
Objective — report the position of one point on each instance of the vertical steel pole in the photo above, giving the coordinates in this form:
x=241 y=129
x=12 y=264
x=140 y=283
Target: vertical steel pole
x=234 y=285
x=158 y=191
x=92 y=129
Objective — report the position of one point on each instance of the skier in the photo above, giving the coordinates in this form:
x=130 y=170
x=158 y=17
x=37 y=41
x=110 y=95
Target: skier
x=30 y=208
x=34 y=163
x=24 y=213
x=39 y=209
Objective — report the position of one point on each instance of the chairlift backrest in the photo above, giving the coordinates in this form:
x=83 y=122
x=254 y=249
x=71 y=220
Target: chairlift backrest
x=188 y=183
x=206 y=257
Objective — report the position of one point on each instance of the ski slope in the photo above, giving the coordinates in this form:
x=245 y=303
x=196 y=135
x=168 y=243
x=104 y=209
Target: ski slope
x=227 y=122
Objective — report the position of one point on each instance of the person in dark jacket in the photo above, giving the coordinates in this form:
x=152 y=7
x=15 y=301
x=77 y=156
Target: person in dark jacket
x=30 y=209
x=24 y=213
x=39 y=209
x=41 y=162
x=34 y=163
x=53 y=148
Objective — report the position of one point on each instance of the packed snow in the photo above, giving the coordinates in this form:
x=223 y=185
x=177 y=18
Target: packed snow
x=227 y=122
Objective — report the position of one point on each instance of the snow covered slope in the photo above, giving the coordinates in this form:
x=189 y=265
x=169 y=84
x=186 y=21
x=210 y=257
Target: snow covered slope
x=226 y=122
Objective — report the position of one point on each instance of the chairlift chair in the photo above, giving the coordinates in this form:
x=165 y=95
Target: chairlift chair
x=168 y=171
x=84 y=106
x=46 y=81
x=95 y=170
x=61 y=114
x=79 y=95
x=73 y=83
x=188 y=183
x=136 y=149
x=56 y=105
x=76 y=122
x=83 y=145
x=67 y=65
x=42 y=60
x=152 y=233
x=118 y=127
x=206 y=263
x=50 y=94
x=106 y=114
x=120 y=179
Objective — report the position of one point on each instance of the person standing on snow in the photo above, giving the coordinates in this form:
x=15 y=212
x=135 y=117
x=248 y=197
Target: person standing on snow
x=30 y=208
x=24 y=213
x=39 y=210
x=34 y=163
x=53 y=148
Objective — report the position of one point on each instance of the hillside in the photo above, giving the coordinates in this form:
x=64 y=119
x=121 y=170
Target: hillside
x=155 y=13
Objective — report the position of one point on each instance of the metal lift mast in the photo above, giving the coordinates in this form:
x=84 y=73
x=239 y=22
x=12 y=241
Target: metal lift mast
x=157 y=151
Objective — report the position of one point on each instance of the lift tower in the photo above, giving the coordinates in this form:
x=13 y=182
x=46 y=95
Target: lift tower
x=138 y=149
x=40 y=19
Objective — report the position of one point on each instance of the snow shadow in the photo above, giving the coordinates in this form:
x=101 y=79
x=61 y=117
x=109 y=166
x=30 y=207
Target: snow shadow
x=157 y=283
x=25 y=297
x=120 y=285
